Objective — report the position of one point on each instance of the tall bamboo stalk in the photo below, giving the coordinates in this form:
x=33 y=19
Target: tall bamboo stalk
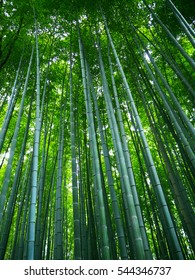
x=34 y=176
x=163 y=208
x=97 y=178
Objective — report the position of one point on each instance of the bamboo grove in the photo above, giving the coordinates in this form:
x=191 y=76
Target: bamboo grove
x=97 y=139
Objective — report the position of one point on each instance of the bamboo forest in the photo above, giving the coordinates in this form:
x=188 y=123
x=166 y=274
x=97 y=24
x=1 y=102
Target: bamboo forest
x=97 y=137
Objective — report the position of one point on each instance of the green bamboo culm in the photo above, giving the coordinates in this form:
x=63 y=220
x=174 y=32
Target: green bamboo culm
x=139 y=250
x=129 y=164
x=77 y=222
x=183 y=23
x=116 y=210
x=11 y=106
x=105 y=242
x=35 y=160
x=168 y=223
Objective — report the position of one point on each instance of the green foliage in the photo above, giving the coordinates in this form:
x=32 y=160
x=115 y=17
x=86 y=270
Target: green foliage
x=111 y=136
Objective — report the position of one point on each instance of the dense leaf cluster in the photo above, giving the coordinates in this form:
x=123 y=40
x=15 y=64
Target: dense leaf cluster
x=97 y=155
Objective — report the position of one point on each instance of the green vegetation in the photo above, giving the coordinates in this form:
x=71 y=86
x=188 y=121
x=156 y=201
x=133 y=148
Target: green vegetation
x=97 y=139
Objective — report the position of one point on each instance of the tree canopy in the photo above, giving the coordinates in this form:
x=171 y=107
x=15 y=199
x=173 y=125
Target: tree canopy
x=97 y=139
